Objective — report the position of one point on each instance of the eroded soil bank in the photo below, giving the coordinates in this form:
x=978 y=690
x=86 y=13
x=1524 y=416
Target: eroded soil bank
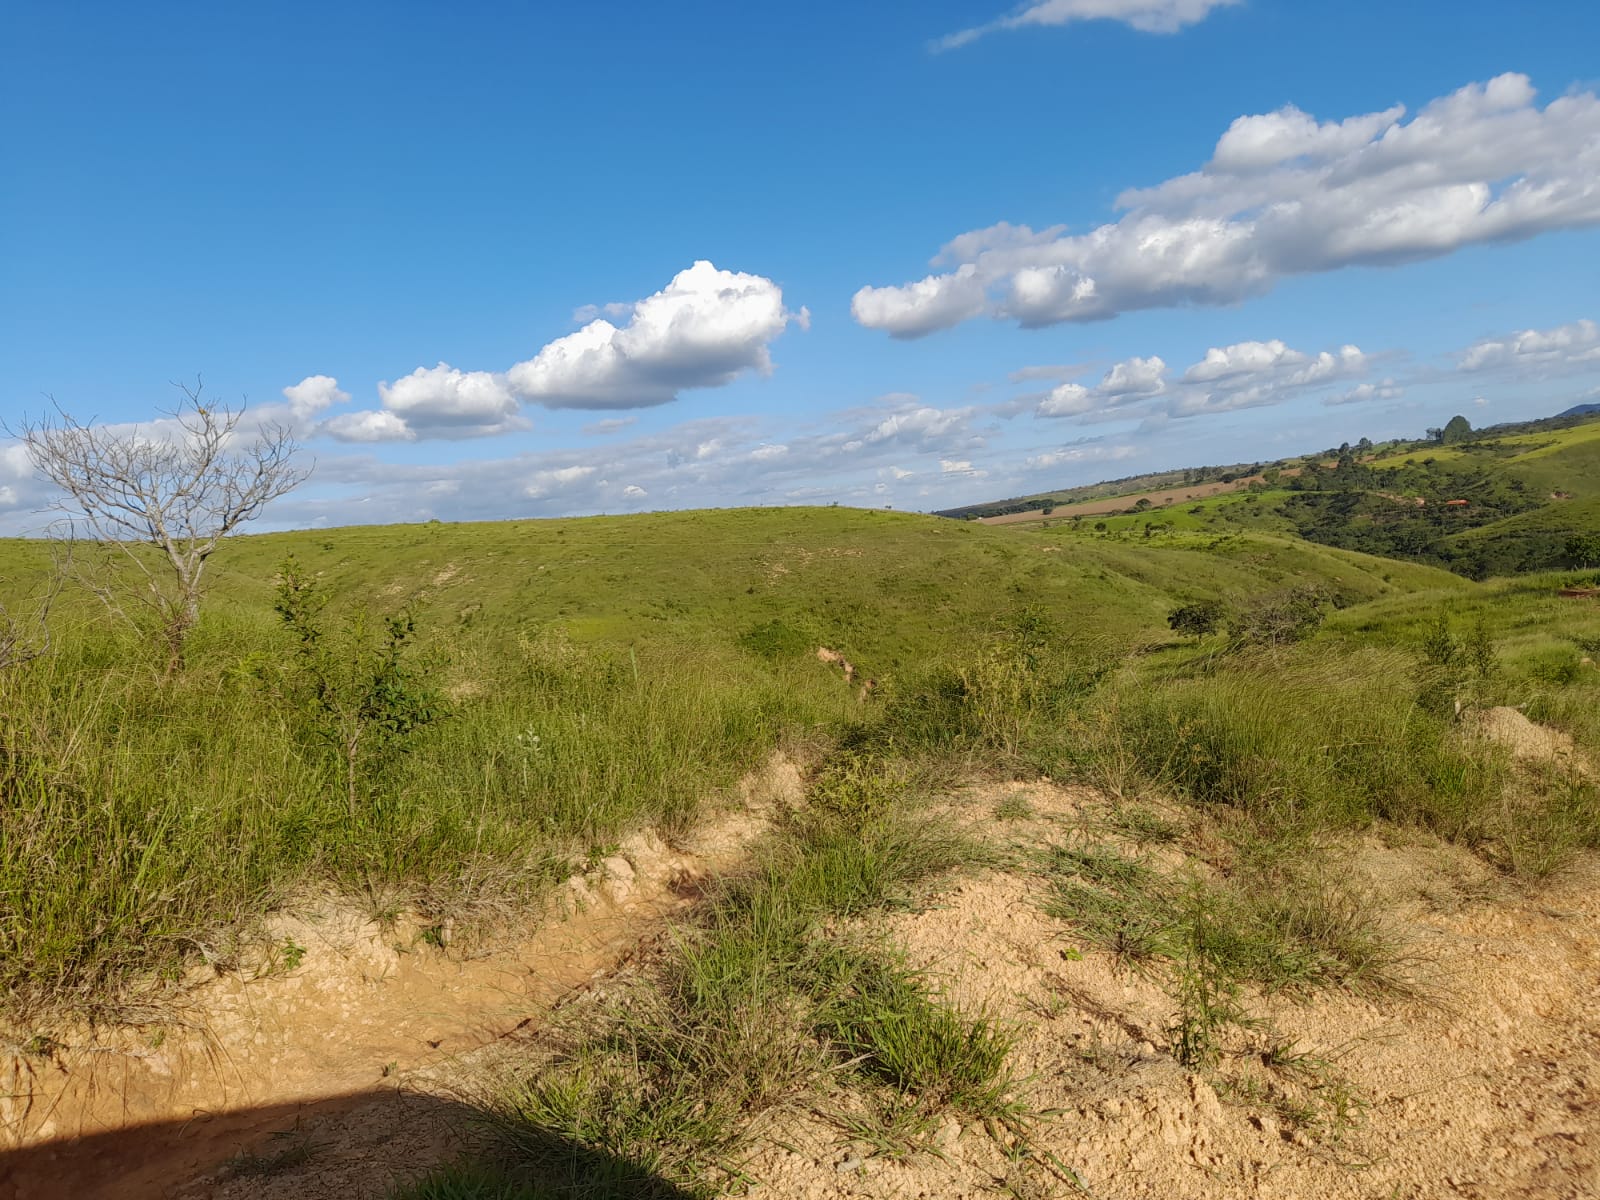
x=340 y=1077
x=327 y=1048
x=1485 y=1086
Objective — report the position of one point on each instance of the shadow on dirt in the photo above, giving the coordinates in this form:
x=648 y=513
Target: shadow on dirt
x=354 y=1147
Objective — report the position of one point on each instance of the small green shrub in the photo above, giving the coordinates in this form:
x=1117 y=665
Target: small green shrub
x=1554 y=666
x=856 y=783
x=1196 y=620
x=362 y=696
x=1278 y=619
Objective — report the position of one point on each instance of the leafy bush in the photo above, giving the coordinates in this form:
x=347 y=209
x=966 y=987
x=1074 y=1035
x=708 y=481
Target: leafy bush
x=1197 y=620
x=362 y=696
x=1278 y=618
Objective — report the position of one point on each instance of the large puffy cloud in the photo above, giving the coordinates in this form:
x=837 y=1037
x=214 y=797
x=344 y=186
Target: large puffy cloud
x=433 y=402
x=1283 y=194
x=1243 y=375
x=702 y=330
x=451 y=402
x=1148 y=16
x=1566 y=348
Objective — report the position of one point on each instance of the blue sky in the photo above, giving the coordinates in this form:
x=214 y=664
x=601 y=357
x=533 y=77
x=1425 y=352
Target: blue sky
x=723 y=253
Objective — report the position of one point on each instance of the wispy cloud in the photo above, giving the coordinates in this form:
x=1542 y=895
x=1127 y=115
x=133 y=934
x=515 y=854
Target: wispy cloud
x=1225 y=379
x=1147 y=16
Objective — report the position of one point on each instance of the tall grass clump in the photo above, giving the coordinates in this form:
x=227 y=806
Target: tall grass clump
x=138 y=819
x=1317 y=739
x=1000 y=701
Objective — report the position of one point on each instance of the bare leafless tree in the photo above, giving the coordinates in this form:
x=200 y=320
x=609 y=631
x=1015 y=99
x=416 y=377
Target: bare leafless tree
x=162 y=497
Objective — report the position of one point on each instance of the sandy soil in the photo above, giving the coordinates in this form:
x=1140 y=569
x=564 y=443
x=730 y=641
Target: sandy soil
x=1485 y=1085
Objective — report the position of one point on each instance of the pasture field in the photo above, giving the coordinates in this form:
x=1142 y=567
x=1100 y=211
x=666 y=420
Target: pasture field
x=442 y=727
x=589 y=677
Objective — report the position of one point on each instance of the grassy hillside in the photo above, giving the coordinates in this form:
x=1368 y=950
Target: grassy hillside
x=1502 y=501
x=562 y=683
x=1500 y=504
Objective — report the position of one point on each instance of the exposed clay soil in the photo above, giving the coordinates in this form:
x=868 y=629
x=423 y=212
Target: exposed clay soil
x=1486 y=1085
x=1526 y=739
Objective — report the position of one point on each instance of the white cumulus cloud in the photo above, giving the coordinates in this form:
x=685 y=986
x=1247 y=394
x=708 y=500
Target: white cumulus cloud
x=368 y=426
x=312 y=395
x=433 y=402
x=443 y=397
x=1538 y=351
x=1282 y=194
x=702 y=330
x=1147 y=16
x=1243 y=375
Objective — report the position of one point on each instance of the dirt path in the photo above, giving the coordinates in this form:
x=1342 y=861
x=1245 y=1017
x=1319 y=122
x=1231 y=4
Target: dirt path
x=340 y=1050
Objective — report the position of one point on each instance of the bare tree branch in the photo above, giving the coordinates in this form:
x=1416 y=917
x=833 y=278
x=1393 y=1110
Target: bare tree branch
x=163 y=498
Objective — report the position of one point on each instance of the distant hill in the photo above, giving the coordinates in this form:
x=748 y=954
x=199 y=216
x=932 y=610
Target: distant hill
x=1581 y=410
x=1487 y=502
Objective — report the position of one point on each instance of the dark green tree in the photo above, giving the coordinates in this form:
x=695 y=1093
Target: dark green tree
x=1583 y=549
x=1196 y=620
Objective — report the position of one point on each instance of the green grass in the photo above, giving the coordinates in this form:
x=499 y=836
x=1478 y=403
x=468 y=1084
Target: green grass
x=602 y=675
x=761 y=1003
x=1280 y=922
x=147 y=823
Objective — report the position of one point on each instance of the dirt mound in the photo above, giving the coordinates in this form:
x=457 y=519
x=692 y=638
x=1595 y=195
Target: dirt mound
x=1525 y=739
